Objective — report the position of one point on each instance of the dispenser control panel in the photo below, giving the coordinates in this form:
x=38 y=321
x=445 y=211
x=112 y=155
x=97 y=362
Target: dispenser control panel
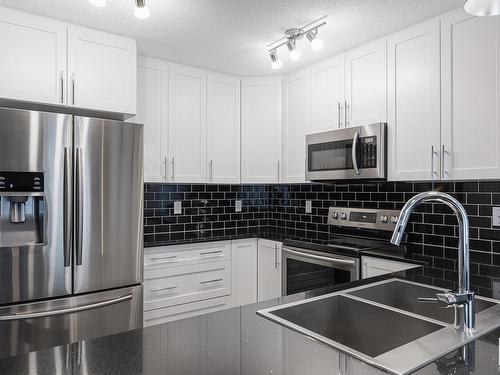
x=21 y=181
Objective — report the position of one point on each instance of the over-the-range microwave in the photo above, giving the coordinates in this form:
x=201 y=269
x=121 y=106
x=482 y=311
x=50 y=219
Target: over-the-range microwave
x=358 y=152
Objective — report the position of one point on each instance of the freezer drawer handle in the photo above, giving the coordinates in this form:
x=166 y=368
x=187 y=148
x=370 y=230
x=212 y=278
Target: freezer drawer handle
x=43 y=314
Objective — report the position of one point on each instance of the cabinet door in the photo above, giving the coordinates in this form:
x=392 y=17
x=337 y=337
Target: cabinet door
x=33 y=62
x=244 y=271
x=414 y=103
x=223 y=128
x=261 y=116
x=152 y=111
x=268 y=270
x=366 y=84
x=470 y=96
x=102 y=71
x=328 y=95
x=187 y=124
x=296 y=124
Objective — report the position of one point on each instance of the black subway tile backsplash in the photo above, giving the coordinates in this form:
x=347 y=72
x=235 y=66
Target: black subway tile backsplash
x=208 y=213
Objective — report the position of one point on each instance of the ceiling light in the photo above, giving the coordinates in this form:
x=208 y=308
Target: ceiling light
x=294 y=52
x=482 y=7
x=141 y=10
x=98 y=3
x=316 y=43
x=275 y=60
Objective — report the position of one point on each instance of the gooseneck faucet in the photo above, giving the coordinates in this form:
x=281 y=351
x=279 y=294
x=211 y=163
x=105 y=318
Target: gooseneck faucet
x=463 y=299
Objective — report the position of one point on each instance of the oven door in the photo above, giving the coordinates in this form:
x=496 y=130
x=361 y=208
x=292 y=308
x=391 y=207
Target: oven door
x=344 y=154
x=304 y=270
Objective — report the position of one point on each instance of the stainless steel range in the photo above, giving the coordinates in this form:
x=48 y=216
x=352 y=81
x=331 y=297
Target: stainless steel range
x=71 y=255
x=310 y=266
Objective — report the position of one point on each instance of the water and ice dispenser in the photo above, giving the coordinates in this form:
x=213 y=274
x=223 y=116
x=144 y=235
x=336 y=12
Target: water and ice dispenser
x=21 y=208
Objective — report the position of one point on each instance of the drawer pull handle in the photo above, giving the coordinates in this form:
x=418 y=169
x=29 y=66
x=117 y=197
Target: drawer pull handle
x=212 y=252
x=210 y=281
x=163 y=289
x=164 y=258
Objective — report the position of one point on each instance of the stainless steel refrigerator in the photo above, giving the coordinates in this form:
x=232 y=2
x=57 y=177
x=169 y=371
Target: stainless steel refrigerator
x=71 y=219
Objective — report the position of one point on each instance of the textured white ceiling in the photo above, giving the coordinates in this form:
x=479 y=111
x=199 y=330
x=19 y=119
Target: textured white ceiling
x=231 y=35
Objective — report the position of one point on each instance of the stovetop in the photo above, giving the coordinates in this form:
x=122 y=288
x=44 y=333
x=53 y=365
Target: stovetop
x=356 y=244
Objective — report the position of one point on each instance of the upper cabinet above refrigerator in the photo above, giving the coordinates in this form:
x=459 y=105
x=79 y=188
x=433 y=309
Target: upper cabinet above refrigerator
x=53 y=65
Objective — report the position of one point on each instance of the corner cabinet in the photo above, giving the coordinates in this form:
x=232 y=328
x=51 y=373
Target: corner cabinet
x=413 y=105
x=470 y=51
x=261 y=130
x=101 y=71
x=223 y=128
x=268 y=269
x=187 y=124
x=33 y=62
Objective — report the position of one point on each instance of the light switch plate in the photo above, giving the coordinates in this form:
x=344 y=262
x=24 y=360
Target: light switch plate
x=238 y=206
x=308 y=207
x=496 y=216
x=177 y=207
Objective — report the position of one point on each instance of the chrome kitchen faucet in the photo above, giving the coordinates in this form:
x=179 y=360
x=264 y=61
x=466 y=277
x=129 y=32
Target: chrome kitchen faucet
x=463 y=299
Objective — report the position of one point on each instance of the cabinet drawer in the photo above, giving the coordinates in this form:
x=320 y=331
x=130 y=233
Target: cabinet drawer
x=187 y=310
x=180 y=255
x=178 y=285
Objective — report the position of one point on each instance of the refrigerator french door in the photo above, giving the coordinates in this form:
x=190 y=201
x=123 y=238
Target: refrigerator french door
x=71 y=256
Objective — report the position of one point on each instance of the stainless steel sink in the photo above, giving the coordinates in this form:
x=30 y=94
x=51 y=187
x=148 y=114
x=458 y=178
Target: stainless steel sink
x=404 y=295
x=367 y=328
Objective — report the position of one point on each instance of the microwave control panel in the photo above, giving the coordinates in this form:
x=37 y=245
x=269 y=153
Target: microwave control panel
x=368 y=150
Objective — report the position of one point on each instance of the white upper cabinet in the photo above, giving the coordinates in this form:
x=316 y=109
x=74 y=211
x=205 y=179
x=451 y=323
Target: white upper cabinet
x=296 y=124
x=261 y=124
x=223 y=128
x=413 y=103
x=470 y=96
x=33 y=58
x=187 y=124
x=102 y=71
x=366 y=84
x=152 y=111
x=328 y=95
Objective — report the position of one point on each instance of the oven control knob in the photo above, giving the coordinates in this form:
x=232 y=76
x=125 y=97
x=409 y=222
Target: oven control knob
x=394 y=219
x=335 y=215
x=343 y=216
x=383 y=219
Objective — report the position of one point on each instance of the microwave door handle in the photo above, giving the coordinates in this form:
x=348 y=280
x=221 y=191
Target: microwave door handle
x=354 y=153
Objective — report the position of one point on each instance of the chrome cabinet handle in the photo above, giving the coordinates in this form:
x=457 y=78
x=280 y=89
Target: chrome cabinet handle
x=339 y=121
x=73 y=88
x=276 y=264
x=278 y=172
x=163 y=289
x=433 y=171
x=319 y=257
x=172 y=165
x=444 y=153
x=211 y=170
x=354 y=153
x=79 y=207
x=165 y=164
x=346 y=109
x=171 y=257
x=62 y=86
x=210 y=281
x=67 y=207
x=43 y=314
x=216 y=253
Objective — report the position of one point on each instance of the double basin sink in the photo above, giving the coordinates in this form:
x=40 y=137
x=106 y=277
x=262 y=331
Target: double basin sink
x=384 y=324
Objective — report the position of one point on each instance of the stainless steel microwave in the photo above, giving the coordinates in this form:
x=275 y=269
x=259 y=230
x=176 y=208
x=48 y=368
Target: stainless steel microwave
x=358 y=152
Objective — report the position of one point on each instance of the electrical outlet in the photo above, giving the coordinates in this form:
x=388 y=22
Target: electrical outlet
x=177 y=207
x=496 y=217
x=238 y=206
x=308 y=207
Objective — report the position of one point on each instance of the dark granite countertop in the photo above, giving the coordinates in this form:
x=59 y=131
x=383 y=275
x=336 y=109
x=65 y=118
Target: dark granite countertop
x=233 y=341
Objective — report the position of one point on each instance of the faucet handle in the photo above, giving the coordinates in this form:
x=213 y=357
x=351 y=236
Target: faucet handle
x=445 y=299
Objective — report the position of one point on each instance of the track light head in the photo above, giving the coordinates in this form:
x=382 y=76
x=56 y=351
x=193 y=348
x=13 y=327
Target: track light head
x=275 y=60
x=98 y=3
x=482 y=7
x=141 y=10
x=294 y=52
x=316 y=43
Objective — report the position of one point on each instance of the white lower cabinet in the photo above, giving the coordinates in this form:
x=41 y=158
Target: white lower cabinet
x=244 y=271
x=268 y=269
x=371 y=267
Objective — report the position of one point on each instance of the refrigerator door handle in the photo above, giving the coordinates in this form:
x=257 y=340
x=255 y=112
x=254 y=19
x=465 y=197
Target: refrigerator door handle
x=78 y=207
x=67 y=207
x=70 y=310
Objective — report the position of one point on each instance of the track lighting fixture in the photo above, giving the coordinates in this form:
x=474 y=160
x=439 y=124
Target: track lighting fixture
x=141 y=10
x=482 y=7
x=290 y=40
x=275 y=60
x=98 y=3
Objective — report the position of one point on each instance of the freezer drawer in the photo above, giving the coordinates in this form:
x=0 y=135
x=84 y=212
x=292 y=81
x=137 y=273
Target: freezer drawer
x=34 y=326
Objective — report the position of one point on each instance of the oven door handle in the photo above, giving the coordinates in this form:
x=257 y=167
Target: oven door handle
x=355 y=152
x=319 y=257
